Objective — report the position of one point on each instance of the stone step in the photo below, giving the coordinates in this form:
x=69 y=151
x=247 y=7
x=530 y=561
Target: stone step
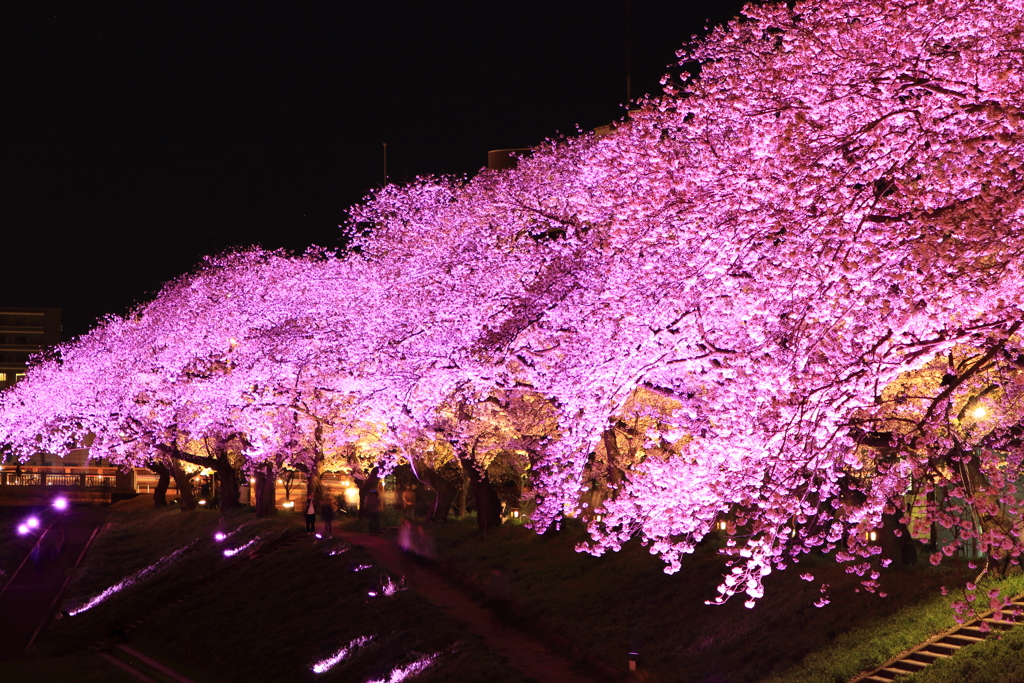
x=908 y=664
x=928 y=657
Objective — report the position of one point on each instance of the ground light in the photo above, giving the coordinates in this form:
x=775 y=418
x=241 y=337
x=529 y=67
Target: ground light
x=339 y=656
x=60 y=503
x=220 y=536
x=231 y=552
x=400 y=673
x=32 y=522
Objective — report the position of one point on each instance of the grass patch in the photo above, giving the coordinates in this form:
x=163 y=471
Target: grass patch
x=268 y=619
x=997 y=660
x=624 y=602
x=81 y=668
x=879 y=640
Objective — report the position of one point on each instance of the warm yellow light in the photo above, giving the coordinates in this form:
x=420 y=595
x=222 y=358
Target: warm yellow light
x=979 y=413
x=252 y=480
x=515 y=513
x=872 y=536
x=202 y=502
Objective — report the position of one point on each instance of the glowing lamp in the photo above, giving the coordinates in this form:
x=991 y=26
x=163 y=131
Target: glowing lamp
x=871 y=536
x=598 y=518
x=722 y=526
x=979 y=413
x=60 y=503
x=220 y=536
x=23 y=529
x=32 y=522
x=319 y=536
x=289 y=504
x=372 y=594
x=515 y=513
x=202 y=502
x=252 y=480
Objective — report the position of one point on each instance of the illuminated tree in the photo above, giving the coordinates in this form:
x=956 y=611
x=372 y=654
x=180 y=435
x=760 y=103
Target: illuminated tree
x=780 y=292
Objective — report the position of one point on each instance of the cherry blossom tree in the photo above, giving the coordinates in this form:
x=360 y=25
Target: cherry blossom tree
x=780 y=292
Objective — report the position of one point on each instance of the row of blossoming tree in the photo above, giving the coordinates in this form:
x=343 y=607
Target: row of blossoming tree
x=786 y=294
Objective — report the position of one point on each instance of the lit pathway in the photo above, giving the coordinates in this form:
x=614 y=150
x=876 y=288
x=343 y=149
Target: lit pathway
x=522 y=652
x=28 y=600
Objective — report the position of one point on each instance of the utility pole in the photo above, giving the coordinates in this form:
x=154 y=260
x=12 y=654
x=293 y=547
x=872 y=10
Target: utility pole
x=629 y=89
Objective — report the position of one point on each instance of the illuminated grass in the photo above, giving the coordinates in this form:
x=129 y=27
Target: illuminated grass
x=155 y=568
x=339 y=656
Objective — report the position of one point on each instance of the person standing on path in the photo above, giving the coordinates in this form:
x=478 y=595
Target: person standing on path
x=327 y=514
x=310 y=514
x=372 y=508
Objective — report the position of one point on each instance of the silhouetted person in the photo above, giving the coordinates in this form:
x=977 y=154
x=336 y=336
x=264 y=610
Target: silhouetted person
x=327 y=514
x=310 y=514
x=499 y=598
x=372 y=507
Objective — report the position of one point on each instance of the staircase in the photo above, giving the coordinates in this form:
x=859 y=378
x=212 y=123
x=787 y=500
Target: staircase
x=944 y=645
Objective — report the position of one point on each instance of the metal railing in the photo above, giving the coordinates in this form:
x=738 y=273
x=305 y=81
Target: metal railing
x=64 y=477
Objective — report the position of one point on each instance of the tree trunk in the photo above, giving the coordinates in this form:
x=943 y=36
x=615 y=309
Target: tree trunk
x=264 y=487
x=999 y=523
x=367 y=485
x=444 y=493
x=163 y=482
x=488 y=506
x=184 y=484
x=228 y=479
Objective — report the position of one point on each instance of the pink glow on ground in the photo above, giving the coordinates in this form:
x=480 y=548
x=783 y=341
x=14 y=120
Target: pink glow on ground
x=400 y=673
x=231 y=552
x=339 y=656
x=154 y=568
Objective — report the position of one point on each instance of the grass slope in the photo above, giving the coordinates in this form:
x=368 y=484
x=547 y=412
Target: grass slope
x=271 y=618
x=624 y=602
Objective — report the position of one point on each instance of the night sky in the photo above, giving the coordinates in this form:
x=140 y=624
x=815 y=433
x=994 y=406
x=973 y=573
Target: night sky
x=139 y=136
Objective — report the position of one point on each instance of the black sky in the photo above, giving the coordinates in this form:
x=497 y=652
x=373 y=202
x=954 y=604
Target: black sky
x=139 y=136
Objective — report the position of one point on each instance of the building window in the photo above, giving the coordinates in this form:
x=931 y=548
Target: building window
x=3 y=376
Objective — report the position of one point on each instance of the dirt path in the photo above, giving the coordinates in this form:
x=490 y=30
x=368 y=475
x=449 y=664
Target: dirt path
x=28 y=600
x=524 y=653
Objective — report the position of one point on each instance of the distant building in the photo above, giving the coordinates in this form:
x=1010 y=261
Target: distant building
x=23 y=332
